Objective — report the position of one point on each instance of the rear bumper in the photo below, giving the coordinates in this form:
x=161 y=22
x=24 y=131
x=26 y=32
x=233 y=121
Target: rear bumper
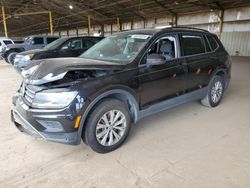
x=47 y=127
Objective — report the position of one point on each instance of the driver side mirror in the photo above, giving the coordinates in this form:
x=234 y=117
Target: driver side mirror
x=155 y=59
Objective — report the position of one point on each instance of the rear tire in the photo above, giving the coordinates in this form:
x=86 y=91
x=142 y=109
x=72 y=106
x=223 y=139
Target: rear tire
x=108 y=126
x=215 y=92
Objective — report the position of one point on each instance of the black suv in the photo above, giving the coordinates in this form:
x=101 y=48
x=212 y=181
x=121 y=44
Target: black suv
x=63 y=47
x=33 y=42
x=120 y=80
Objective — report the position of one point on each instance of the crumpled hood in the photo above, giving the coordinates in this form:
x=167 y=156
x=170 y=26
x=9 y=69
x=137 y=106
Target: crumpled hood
x=48 y=70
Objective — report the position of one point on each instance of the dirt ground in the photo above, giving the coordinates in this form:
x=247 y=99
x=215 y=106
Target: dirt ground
x=188 y=146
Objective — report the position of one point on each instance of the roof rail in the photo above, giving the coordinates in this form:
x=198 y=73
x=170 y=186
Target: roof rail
x=191 y=28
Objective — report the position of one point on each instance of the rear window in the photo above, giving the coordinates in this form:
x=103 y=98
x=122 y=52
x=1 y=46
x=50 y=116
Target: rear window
x=50 y=39
x=6 y=42
x=213 y=43
x=192 y=44
x=89 y=42
x=38 y=40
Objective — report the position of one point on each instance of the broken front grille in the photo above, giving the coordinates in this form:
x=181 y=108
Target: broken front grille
x=27 y=94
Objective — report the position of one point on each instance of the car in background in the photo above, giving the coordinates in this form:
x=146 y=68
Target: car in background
x=98 y=96
x=63 y=47
x=33 y=42
x=3 y=43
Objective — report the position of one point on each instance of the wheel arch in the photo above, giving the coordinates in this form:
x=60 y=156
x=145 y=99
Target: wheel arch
x=120 y=94
x=223 y=73
x=18 y=50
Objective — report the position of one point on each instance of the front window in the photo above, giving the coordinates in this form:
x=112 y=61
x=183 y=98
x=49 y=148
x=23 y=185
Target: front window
x=121 y=48
x=38 y=40
x=73 y=44
x=165 y=47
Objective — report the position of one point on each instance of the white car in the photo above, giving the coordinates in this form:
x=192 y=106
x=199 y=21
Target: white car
x=4 y=42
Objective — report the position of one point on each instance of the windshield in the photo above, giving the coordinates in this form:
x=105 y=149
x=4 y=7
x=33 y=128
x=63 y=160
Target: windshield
x=27 y=40
x=55 y=44
x=121 y=48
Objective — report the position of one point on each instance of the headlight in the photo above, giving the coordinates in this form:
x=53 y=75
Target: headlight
x=23 y=57
x=53 y=98
x=28 y=57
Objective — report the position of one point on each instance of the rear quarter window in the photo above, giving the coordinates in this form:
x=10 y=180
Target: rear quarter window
x=214 y=45
x=192 y=44
x=208 y=48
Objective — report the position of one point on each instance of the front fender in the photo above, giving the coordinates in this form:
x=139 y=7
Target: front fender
x=133 y=103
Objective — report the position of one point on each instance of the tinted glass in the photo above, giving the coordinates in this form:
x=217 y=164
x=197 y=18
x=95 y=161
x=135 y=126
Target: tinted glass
x=38 y=40
x=212 y=42
x=192 y=44
x=49 y=40
x=89 y=42
x=6 y=42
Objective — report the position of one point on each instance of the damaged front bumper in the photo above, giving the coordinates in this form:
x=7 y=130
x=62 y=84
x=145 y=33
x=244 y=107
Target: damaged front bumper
x=51 y=125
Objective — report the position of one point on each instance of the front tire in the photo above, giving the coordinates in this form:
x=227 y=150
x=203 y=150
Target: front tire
x=108 y=126
x=215 y=92
x=10 y=57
